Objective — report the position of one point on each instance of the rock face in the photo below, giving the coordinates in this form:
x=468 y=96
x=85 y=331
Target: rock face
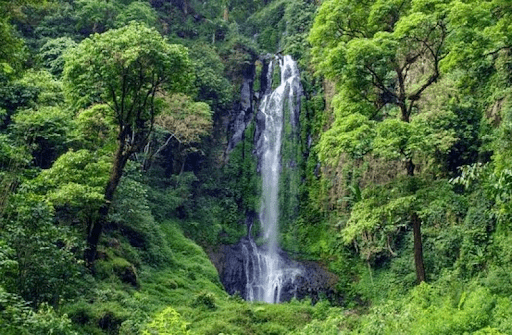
x=232 y=270
x=317 y=282
x=242 y=113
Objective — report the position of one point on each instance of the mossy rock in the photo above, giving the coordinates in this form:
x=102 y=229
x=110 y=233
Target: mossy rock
x=205 y=299
x=120 y=268
x=80 y=313
x=110 y=322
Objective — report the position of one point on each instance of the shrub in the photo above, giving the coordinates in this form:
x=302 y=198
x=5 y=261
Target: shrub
x=206 y=299
x=167 y=322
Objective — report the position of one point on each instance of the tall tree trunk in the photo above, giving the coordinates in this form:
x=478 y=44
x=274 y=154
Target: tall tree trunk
x=183 y=165
x=94 y=233
x=416 y=229
x=409 y=165
x=418 y=248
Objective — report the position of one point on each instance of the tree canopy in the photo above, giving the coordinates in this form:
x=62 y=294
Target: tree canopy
x=125 y=68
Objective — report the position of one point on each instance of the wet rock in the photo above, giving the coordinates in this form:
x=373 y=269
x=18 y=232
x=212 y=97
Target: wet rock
x=229 y=262
x=129 y=275
x=313 y=281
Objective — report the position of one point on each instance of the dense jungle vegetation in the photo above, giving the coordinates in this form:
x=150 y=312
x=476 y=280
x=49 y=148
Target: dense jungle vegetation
x=116 y=185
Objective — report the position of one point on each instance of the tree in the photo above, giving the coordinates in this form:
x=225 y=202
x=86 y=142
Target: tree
x=183 y=120
x=36 y=255
x=75 y=182
x=43 y=131
x=212 y=87
x=60 y=21
x=96 y=16
x=383 y=57
x=125 y=68
x=482 y=30
x=52 y=54
x=137 y=11
x=11 y=50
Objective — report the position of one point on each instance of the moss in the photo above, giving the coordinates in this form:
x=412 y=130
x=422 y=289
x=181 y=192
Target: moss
x=205 y=299
x=268 y=25
x=276 y=76
x=257 y=76
x=241 y=178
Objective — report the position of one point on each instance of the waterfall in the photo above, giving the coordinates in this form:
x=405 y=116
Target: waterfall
x=267 y=273
x=262 y=271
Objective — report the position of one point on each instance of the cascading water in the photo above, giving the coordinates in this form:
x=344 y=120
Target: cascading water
x=267 y=273
x=264 y=272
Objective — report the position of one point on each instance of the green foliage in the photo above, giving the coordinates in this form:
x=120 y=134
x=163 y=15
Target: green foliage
x=94 y=128
x=377 y=221
x=76 y=179
x=299 y=17
x=12 y=156
x=12 y=54
x=121 y=66
x=47 y=321
x=239 y=55
x=381 y=214
x=290 y=178
x=14 y=312
x=43 y=131
x=184 y=119
x=471 y=311
x=352 y=134
x=14 y=159
x=212 y=87
x=396 y=138
x=137 y=11
x=48 y=88
x=38 y=261
x=61 y=20
x=167 y=322
x=17 y=319
x=476 y=27
x=125 y=68
x=15 y=95
x=371 y=64
x=169 y=195
x=268 y=24
x=150 y=278
x=241 y=193
x=131 y=212
x=205 y=299
x=52 y=54
x=13 y=51
x=96 y=16
x=331 y=326
x=281 y=25
x=113 y=305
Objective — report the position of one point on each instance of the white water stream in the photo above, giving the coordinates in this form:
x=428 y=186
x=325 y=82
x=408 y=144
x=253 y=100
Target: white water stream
x=267 y=274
